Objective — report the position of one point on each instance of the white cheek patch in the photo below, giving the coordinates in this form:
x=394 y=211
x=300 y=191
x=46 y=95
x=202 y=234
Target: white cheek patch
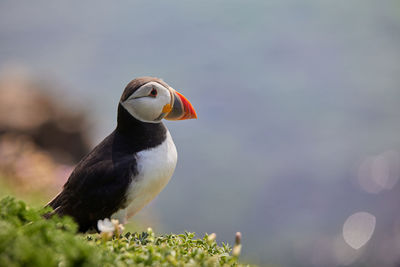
x=141 y=109
x=132 y=110
x=146 y=108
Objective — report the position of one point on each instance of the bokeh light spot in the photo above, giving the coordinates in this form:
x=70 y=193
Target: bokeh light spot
x=358 y=229
x=379 y=172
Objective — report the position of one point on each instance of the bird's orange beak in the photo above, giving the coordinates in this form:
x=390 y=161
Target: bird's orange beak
x=180 y=108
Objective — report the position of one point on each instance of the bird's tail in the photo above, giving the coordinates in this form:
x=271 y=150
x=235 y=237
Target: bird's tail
x=55 y=203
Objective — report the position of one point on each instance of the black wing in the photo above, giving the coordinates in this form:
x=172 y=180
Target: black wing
x=97 y=187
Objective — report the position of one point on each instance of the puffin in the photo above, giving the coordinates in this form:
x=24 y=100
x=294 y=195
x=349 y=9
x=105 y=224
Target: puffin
x=130 y=166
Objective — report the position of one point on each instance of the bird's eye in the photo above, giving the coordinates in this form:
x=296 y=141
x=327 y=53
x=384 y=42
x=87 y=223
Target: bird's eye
x=153 y=92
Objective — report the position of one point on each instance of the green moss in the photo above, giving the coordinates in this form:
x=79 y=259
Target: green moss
x=26 y=239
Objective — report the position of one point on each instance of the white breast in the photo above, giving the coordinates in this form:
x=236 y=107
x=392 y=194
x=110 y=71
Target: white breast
x=155 y=168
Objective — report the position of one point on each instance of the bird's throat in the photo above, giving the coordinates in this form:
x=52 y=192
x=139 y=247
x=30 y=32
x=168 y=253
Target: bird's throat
x=143 y=134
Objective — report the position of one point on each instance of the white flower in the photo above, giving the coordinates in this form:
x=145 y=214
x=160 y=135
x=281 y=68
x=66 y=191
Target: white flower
x=105 y=226
x=237 y=247
x=212 y=237
x=117 y=226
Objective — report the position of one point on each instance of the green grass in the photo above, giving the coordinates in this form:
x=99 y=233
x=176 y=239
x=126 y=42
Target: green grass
x=26 y=239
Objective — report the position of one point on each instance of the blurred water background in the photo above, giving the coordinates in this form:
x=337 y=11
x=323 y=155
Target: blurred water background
x=298 y=138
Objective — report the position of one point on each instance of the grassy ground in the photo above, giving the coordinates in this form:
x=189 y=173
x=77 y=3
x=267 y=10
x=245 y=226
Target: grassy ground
x=26 y=239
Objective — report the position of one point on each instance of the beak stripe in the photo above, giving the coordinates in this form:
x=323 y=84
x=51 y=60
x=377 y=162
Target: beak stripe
x=189 y=112
x=181 y=108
